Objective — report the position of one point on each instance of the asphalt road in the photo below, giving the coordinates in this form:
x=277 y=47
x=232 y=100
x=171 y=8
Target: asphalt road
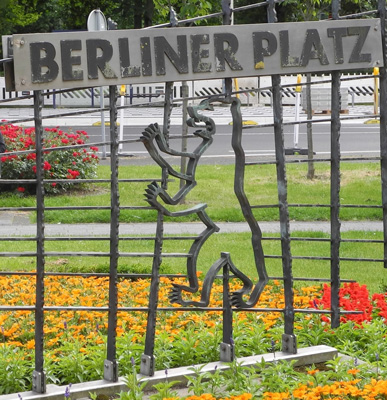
x=357 y=139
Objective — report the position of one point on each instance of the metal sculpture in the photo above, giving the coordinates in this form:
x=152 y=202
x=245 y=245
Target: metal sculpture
x=156 y=142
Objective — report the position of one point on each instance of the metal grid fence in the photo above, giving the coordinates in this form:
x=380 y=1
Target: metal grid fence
x=224 y=266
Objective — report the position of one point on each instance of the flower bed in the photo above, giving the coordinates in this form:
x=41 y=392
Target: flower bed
x=66 y=164
x=75 y=341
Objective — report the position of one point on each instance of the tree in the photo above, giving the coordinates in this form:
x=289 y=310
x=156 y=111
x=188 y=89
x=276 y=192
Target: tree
x=17 y=15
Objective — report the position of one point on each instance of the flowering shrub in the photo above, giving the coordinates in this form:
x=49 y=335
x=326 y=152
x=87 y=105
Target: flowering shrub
x=61 y=164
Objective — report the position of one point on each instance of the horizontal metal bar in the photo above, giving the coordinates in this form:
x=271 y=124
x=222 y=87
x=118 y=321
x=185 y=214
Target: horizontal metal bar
x=183 y=309
x=96 y=208
x=91 y=254
x=265 y=206
x=18 y=239
x=281 y=278
x=326 y=258
x=91 y=238
x=125 y=238
x=93 y=274
x=79 y=181
x=358 y=15
x=164 y=255
x=315 y=160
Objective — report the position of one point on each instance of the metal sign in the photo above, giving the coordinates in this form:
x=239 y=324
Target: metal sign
x=96 y=21
x=69 y=60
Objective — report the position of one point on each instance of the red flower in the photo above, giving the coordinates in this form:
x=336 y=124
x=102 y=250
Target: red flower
x=21 y=189
x=352 y=297
x=65 y=141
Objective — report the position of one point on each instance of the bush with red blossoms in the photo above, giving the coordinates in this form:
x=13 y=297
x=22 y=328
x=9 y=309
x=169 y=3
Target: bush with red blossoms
x=72 y=163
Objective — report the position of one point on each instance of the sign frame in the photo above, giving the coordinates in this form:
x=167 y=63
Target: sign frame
x=70 y=60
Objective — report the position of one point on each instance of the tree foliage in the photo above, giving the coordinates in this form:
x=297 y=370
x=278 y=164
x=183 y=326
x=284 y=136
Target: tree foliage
x=22 y=16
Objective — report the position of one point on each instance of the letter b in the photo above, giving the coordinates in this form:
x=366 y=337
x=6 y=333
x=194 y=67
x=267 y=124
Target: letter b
x=43 y=66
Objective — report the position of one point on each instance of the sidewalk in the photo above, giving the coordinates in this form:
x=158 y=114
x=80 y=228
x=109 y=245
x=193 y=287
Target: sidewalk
x=140 y=116
x=18 y=224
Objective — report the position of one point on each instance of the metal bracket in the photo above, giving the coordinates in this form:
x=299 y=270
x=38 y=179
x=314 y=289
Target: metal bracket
x=147 y=366
x=38 y=382
x=227 y=352
x=110 y=371
x=9 y=76
x=289 y=344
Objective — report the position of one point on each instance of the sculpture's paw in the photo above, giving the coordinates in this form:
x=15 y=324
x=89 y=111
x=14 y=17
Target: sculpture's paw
x=151 y=193
x=236 y=300
x=175 y=295
x=150 y=133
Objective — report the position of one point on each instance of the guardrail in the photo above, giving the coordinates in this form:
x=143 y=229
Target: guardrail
x=255 y=92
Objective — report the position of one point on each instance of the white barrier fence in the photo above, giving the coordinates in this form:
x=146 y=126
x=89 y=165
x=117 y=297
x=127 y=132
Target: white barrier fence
x=360 y=90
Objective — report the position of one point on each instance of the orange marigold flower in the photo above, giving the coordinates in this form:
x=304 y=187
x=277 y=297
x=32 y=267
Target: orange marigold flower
x=313 y=371
x=353 y=371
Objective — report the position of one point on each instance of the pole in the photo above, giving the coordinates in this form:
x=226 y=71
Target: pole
x=183 y=160
x=121 y=137
x=376 y=90
x=309 y=127
x=297 y=111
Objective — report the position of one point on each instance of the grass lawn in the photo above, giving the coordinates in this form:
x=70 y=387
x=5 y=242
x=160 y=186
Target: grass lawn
x=238 y=245
x=361 y=184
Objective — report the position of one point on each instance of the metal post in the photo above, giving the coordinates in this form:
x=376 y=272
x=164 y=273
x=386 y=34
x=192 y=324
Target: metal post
x=227 y=19
x=148 y=359
x=110 y=364
x=183 y=161
x=376 y=90
x=122 y=97
x=102 y=106
x=296 y=131
x=335 y=187
x=168 y=104
x=227 y=349
x=38 y=376
x=289 y=343
x=383 y=122
x=147 y=366
x=309 y=126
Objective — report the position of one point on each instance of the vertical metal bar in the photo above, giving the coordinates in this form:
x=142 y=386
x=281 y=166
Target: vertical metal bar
x=335 y=187
x=184 y=133
x=110 y=364
x=289 y=344
x=38 y=376
x=148 y=359
x=383 y=122
x=168 y=104
x=227 y=350
x=227 y=12
x=102 y=106
x=309 y=126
